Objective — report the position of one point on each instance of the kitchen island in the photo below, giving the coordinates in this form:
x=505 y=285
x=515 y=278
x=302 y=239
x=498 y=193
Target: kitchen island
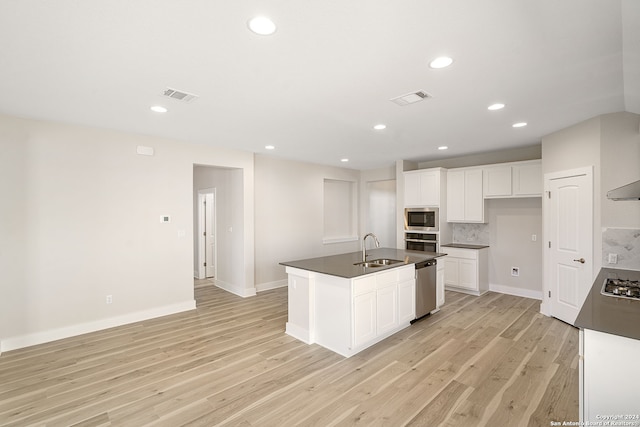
x=346 y=307
x=609 y=351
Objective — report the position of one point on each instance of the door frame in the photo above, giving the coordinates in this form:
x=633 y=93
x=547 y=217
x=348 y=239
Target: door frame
x=202 y=274
x=547 y=270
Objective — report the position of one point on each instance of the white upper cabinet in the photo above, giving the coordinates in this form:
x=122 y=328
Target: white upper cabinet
x=422 y=187
x=497 y=181
x=527 y=179
x=465 y=202
x=518 y=179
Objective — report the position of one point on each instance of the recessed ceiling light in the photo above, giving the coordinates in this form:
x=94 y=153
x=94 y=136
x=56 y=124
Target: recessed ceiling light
x=441 y=62
x=344 y=160
x=159 y=109
x=443 y=147
x=270 y=147
x=497 y=106
x=380 y=127
x=519 y=125
x=262 y=25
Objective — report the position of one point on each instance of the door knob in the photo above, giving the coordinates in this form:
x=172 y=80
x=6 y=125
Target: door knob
x=581 y=260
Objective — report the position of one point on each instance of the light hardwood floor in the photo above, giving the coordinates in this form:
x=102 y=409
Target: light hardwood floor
x=491 y=360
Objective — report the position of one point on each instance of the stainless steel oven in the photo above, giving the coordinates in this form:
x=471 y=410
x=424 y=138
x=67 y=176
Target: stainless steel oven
x=421 y=219
x=425 y=242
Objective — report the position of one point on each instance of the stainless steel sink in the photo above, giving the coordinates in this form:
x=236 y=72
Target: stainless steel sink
x=385 y=261
x=378 y=262
x=369 y=264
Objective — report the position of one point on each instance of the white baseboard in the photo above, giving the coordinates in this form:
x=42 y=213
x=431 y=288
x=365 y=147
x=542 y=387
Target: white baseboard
x=272 y=285
x=234 y=289
x=298 y=333
x=28 y=340
x=526 y=293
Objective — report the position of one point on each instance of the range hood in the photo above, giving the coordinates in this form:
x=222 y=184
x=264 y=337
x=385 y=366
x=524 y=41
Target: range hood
x=626 y=192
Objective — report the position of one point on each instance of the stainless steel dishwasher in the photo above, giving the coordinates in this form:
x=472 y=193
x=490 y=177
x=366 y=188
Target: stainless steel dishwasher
x=425 y=287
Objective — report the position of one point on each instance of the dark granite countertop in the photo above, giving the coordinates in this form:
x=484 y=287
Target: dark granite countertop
x=343 y=265
x=617 y=316
x=463 y=246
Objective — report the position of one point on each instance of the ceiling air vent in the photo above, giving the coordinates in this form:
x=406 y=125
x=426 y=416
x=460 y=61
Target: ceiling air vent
x=179 y=95
x=410 y=98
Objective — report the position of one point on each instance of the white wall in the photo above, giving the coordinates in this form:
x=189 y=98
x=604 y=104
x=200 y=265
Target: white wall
x=80 y=220
x=288 y=197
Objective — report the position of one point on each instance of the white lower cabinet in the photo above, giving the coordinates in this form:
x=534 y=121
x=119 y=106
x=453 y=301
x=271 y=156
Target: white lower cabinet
x=466 y=270
x=440 y=283
x=608 y=392
x=386 y=308
x=383 y=303
x=364 y=318
x=406 y=301
x=348 y=315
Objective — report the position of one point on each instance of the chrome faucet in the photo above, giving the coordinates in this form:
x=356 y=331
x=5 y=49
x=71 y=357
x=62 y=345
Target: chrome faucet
x=364 y=247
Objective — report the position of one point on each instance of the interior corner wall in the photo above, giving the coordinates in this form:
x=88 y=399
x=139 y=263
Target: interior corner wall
x=620 y=165
x=289 y=198
x=83 y=221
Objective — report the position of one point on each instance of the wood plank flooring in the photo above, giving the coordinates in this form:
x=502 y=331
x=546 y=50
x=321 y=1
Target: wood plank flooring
x=491 y=360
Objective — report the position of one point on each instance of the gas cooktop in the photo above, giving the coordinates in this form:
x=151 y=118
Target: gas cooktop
x=621 y=288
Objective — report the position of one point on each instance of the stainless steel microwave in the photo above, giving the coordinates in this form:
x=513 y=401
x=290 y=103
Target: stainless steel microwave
x=421 y=219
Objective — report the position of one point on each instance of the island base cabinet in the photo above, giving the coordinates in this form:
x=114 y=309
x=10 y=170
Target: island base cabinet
x=406 y=301
x=386 y=309
x=349 y=315
x=364 y=318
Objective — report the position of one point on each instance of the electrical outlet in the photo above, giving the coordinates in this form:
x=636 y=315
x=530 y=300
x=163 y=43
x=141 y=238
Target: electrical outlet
x=534 y=237
x=515 y=271
x=109 y=299
x=613 y=258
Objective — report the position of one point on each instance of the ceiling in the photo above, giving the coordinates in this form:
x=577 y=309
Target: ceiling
x=316 y=87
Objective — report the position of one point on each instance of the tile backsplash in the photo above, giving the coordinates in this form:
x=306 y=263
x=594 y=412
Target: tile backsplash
x=625 y=243
x=476 y=234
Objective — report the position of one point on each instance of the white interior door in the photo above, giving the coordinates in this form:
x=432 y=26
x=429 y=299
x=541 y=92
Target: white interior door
x=570 y=243
x=209 y=235
x=206 y=249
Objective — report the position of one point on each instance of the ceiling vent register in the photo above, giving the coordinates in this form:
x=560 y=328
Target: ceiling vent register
x=179 y=95
x=410 y=98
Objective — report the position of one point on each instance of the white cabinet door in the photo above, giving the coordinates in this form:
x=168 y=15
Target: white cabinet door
x=455 y=196
x=451 y=271
x=497 y=181
x=386 y=309
x=440 y=284
x=527 y=180
x=473 y=199
x=465 y=202
x=406 y=301
x=422 y=188
x=430 y=188
x=411 y=189
x=364 y=318
x=468 y=274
